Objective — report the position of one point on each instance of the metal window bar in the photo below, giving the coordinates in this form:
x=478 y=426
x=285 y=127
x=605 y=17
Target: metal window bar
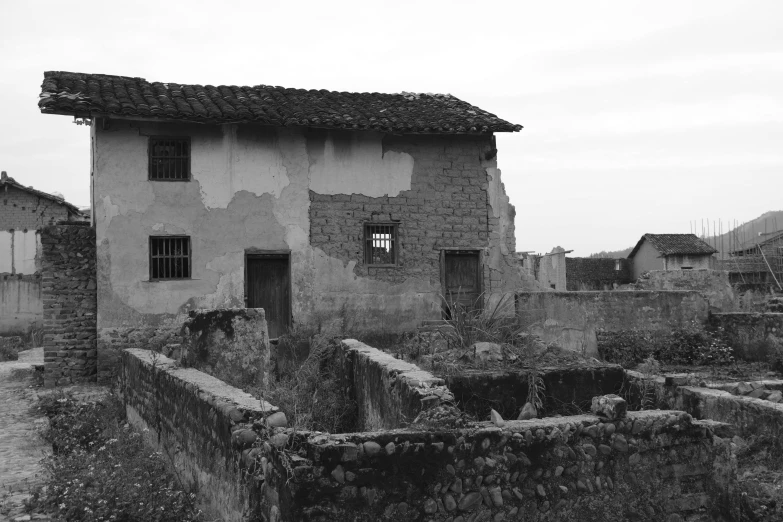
x=169 y=159
x=169 y=258
x=381 y=245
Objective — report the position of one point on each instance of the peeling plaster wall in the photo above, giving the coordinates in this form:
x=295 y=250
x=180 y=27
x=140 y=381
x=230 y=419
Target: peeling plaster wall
x=252 y=187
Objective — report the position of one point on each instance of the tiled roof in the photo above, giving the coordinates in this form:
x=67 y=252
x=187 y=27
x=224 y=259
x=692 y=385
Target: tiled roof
x=6 y=180
x=87 y=95
x=671 y=244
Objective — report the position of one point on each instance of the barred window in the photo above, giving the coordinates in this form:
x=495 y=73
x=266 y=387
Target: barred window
x=169 y=257
x=169 y=159
x=380 y=244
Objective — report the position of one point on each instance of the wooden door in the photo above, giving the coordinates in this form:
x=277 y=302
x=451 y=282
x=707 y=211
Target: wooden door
x=268 y=287
x=462 y=278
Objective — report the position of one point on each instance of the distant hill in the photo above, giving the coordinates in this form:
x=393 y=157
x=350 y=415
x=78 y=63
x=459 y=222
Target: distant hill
x=732 y=239
x=613 y=254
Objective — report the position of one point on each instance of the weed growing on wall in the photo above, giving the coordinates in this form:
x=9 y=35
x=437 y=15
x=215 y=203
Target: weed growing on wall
x=101 y=470
x=310 y=393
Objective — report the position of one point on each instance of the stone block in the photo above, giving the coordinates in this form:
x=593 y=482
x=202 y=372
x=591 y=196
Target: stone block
x=609 y=407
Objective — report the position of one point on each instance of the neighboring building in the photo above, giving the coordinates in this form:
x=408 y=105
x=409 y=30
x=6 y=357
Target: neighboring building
x=596 y=273
x=23 y=211
x=317 y=206
x=670 y=252
x=757 y=261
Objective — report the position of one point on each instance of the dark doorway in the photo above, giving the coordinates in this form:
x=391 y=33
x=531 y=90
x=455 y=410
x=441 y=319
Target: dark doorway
x=268 y=286
x=462 y=278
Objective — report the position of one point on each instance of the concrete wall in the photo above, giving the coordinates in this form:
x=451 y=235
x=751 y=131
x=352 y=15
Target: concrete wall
x=301 y=191
x=390 y=393
x=69 y=304
x=21 y=307
x=595 y=273
x=571 y=319
x=694 y=262
x=646 y=258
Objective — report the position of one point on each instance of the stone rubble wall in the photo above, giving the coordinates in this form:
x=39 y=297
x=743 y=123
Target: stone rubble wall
x=571 y=319
x=390 y=393
x=229 y=344
x=714 y=285
x=69 y=304
x=197 y=420
x=753 y=335
x=651 y=466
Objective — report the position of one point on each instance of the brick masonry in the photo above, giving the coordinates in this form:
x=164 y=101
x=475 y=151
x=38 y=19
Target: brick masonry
x=446 y=207
x=20 y=210
x=595 y=273
x=69 y=304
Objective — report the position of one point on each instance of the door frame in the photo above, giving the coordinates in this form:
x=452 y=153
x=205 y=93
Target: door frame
x=443 y=252
x=259 y=253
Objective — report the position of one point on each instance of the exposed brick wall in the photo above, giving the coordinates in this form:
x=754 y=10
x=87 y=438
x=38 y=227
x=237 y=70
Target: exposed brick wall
x=447 y=206
x=20 y=210
x=595 y=273
x=69 y=304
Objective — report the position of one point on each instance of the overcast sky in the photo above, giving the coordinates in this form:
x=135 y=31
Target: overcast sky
x=639 y=116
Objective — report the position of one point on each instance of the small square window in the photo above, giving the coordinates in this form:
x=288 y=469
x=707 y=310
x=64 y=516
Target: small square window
x=169 y=159
x=380 y=244
x=169 y=257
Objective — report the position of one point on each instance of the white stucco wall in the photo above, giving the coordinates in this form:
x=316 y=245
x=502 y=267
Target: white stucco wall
x=19 y=252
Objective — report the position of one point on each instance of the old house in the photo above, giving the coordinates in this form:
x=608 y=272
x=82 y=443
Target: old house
x=318 y=206
x=670 y=252
x=23 y=211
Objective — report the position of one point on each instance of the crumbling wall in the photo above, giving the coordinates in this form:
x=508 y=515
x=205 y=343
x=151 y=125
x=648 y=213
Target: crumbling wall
x=69 y=304
x=390 y=393
x=712 y=284
x=21 y=210
x=231 y=345
x=753 y=335
x=595 y=273
x=571 y=319
x=200 y=422
x=653 y=465
x=280 y=189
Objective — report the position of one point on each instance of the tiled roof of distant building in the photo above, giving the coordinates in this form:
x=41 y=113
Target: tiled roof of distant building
x=675 y=244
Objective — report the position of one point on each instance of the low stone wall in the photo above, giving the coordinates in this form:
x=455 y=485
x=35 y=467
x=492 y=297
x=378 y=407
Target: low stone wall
x=595 y=273
x=571 y=319
x=69 y=304
x=230 y=344
x=202 y=423
x=712 y=284
x=653 y=465
x=566 y=390
x=753 y=335
x=390 y=393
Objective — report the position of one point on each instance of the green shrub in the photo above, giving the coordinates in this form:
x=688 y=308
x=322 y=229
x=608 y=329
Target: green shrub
x=102 y=470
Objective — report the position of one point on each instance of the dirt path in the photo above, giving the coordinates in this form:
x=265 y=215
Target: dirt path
x=21 y=449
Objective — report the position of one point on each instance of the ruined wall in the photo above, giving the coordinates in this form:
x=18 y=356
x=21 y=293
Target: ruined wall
x=652 y=466
x=231 y=345
x=196 y=420
x=712 y=284
x=753 y=335
x=22 y=210
x=69 y=304
x=595 y=273
x=390 y=393
x=571 y=319
x=258 y=188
